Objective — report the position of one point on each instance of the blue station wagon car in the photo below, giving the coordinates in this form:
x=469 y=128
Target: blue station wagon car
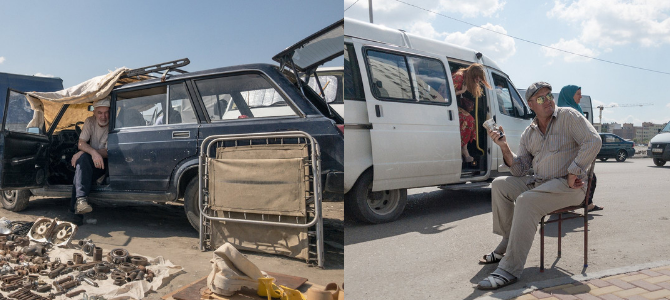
x=615 y=147
x=156 y=130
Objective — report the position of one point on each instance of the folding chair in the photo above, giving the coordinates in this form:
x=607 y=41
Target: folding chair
x=584 y=205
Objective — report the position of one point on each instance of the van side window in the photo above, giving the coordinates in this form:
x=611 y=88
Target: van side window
x=353 y=85
x=509 y=101
x=389 y=75
x=431 y=80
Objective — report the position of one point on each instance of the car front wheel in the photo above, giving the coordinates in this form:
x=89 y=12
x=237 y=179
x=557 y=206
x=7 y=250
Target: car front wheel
x=374 y=207
x=659 y=162
x=621 y=156
x=15 y=200
x=191 y=203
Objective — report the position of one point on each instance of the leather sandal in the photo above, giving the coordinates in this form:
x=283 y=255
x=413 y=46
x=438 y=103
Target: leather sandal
x=491 y=258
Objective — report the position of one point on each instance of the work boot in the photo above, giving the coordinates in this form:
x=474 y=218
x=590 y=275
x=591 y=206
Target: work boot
x=82 y=206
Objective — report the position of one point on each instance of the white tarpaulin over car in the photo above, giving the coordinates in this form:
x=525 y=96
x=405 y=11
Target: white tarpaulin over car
x=46 y=105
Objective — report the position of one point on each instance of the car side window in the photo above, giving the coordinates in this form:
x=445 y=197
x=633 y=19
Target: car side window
x=353 y=85
x=166 y=104
x=19 y=114
x=509 y=101
x=241 y=97
x=610 y=139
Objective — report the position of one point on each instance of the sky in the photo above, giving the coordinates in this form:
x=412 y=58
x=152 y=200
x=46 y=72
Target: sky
x=633 y=32
x=78 y=40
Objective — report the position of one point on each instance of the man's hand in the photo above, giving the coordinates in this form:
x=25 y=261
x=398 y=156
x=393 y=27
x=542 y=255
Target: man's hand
x=495 y=136
x=76 y=157
x=97 y=160
x=574 y=182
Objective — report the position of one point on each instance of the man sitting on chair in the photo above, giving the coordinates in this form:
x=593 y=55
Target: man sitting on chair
x=559 y=145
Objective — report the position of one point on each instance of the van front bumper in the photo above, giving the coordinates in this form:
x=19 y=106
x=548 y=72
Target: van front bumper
x=664 y=153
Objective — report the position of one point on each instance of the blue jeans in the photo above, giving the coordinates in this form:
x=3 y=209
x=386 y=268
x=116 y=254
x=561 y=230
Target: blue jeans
x=84 y=176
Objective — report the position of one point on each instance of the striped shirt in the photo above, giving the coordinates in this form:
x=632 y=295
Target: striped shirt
x=569 y=146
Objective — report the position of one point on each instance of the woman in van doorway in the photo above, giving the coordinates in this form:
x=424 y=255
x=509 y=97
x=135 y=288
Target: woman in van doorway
x=570 y=96
x=469 y=80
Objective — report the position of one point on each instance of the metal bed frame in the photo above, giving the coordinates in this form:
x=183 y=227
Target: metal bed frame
x=313 y=198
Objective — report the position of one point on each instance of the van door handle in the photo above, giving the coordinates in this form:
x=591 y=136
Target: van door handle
x=451 y=117
x=378 y=110
x=181 y=134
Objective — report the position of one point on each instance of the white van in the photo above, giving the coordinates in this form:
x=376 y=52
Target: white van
x=658 y=147
x=401 y=124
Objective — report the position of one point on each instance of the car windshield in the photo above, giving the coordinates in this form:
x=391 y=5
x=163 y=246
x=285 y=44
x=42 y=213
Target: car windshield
x=666 y=128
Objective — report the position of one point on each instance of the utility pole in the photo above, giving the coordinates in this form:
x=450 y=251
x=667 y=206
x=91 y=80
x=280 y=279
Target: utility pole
x=370 y=5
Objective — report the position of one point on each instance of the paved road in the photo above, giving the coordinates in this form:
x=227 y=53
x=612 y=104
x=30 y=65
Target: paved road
x=431 y=252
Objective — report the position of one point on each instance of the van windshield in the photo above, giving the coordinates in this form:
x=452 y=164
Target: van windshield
x=666 y=128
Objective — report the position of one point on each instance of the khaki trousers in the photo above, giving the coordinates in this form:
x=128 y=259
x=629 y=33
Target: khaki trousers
x=518 y=208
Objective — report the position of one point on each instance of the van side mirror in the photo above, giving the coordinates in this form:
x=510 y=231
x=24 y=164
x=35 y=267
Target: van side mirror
x=379 y=83
x=659 y=131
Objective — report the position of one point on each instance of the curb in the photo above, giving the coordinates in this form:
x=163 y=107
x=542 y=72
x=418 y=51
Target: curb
x=538 y=285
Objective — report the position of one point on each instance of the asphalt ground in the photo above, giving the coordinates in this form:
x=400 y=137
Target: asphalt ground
x=151 y=229
x=431 y=252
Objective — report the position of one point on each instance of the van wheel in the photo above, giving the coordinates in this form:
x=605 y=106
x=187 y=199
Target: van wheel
x=377 y=207
x=659 y=162
x=621 y=156
x=15 y=200
x=191 y=207
x=603 y=159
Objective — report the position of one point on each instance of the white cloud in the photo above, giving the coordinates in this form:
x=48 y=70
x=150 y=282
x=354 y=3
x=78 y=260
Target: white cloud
x=617 y=22
x=2 y=59
x=667 y=105
x=398 y=15
x=573 y=46
x=472 y=8
x=38 y=74
x=496 y=46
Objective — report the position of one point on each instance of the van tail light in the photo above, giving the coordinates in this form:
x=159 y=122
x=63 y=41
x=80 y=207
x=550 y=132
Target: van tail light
x=340 y=127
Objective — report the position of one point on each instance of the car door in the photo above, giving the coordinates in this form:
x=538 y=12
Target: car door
x=415 y=134
x=154 y=129
x=510 y=112
x=23 y=148
x=607 y=149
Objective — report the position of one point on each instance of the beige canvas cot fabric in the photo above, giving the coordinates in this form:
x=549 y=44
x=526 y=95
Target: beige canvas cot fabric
x=231 y=271
x=248 y=181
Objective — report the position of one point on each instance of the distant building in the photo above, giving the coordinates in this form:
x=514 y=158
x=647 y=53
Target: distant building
x=627 y=131
x=648 y=131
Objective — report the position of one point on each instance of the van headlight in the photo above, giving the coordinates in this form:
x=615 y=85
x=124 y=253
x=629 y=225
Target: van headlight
x=649 y=145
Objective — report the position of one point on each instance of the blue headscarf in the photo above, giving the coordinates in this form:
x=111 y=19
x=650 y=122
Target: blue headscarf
x=566 y=97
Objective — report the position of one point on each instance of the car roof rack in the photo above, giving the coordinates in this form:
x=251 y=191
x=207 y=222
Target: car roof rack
x=166 y=67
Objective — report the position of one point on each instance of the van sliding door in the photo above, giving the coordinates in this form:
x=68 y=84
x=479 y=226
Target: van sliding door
x=415 y=134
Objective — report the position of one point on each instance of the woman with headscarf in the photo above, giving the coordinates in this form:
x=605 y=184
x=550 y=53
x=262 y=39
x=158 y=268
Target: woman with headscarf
x=570 y=96
x=470 y=80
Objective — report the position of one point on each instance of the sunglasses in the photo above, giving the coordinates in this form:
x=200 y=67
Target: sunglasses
x=548 y=97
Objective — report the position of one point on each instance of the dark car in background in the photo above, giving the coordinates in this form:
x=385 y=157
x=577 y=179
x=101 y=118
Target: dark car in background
x=615 y=147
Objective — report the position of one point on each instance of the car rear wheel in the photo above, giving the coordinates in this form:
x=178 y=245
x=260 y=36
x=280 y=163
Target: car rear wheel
x=374 y=207
x=621 y=156
x=191 y=206
x=603 y=159
x=15 y=200
x=659 y=162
